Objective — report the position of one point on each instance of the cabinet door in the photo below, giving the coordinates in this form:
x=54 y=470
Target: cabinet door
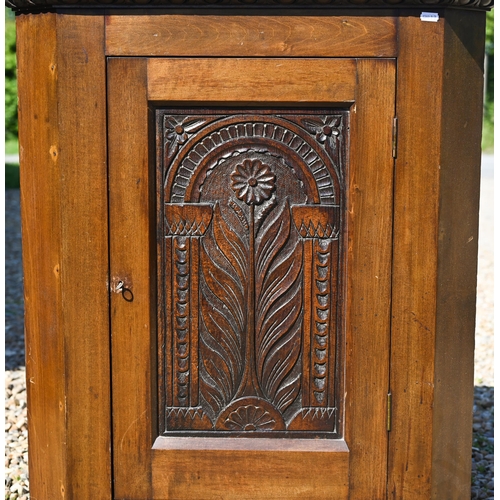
x=250 y=239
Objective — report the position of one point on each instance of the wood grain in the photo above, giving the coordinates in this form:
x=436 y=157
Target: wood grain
x=460 y=167
x=368 y=277
x=259 y=444
x=84 y=264
x=261 y=473
x=243 y=81
x=65 y=245
x=250 y=36
x=41 y=223
x=129 y=216
x=436 y=200
x=415 y=257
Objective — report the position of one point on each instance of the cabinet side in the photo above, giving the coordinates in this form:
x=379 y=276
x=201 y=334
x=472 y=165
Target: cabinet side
x=41 y=233
x=460 y=168
x=62 y=133
x=435 y=254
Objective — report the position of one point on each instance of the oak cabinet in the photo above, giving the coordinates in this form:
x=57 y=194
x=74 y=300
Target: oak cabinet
x=249 y=242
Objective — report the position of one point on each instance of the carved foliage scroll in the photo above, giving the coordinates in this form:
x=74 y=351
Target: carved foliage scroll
x=250 y=232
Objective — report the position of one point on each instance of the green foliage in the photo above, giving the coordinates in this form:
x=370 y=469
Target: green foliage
x=488 y=121
x=490 y=26
x=10 y=81
x=11 y=146
x=11 y=176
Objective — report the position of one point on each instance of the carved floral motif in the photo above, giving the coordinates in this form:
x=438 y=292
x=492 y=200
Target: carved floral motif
x=323 y=127
x=253 y=182
x=251 y=221
x=178 y=130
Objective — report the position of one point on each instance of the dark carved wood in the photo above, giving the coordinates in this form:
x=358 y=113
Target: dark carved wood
x=30 y=5
x=250 y=229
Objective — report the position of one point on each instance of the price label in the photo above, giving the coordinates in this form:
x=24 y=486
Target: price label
x=431 y=17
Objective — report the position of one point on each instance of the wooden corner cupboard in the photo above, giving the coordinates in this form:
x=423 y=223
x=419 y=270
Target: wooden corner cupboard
x=249 y=245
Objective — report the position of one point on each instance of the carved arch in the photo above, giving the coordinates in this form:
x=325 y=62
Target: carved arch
x=201 y=153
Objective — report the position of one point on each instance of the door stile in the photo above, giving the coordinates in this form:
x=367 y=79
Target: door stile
x=130 y=262
x=390 y=396
x=368 y=274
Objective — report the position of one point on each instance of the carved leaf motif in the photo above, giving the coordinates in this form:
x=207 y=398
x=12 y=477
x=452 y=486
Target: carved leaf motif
x=279 y=306
x=193 y=124
x=223 y=317
x=178 y=130
x=312 y=124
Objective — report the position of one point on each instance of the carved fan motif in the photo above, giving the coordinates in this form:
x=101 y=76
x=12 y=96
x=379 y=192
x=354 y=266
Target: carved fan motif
x=249 y=272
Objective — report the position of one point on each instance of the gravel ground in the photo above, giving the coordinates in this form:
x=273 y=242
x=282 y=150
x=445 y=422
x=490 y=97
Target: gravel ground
x=16 y=431
x=16 y=450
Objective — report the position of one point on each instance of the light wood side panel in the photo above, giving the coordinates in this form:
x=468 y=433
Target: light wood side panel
x=434 y=279
x=81 y=156
x=251 y=80
x=416 y=208
x=460 y=167
x=41 y=232
x=369 y=247
x=255 y=471
x=130 y=262
x=250 y=36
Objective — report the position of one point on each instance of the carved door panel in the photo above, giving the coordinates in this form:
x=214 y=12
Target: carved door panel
x=250 y=220
x=250 y=210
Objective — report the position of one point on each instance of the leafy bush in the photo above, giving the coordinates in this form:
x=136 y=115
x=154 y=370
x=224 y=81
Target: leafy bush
x=488 y=117
x=11 y=176
x=10 y=81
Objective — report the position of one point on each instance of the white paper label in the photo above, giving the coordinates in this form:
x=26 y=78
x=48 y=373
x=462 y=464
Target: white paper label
x=431 y=17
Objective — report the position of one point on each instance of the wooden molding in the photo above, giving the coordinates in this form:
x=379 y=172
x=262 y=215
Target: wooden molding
x=35 y=5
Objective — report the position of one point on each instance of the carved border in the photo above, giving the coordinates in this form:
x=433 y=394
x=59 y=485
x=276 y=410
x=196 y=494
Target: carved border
x=35 y=5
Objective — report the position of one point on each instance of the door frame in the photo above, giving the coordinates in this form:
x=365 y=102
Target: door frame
x=367 y=87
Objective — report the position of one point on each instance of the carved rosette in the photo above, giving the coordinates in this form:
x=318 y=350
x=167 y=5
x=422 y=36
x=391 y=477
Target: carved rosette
x=252 y=226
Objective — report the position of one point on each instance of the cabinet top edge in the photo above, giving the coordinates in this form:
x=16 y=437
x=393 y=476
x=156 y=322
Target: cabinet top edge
x=27 y=6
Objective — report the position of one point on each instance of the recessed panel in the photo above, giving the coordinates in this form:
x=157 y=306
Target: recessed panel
x=250 y=232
